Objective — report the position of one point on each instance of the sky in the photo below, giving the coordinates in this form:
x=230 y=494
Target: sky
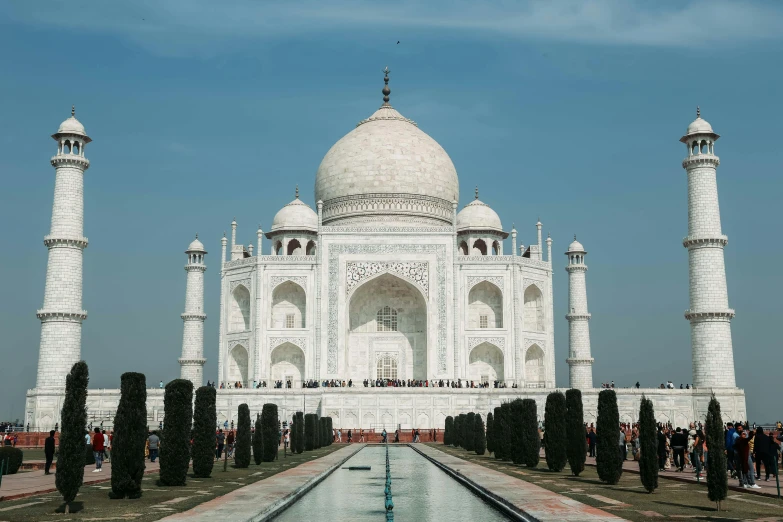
x=570 y=111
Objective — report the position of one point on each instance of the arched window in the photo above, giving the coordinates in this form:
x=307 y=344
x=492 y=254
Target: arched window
x=238 y=365
x=485 y=306
x=288 y=306
x=387 y=320
x=76 y=147
x=534 y=309
x=495 y=248
x=695 y=147
x=294 y=248
x=279 y=248
x=387 y=367
x=239 y=317
x=311 y=248
x=704 y=149
x=463 y=248
x=534 y=367
x=67 y=147
x=479 y=248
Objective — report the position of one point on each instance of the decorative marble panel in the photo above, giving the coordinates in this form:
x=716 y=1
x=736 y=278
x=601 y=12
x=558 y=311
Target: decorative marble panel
x=495 y=280
x=274 y=342
x=276 y=280
x=416 y=272
x=500 y=342
x=233 y=284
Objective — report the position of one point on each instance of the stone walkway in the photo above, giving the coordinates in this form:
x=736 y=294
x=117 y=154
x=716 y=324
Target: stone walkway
x=266 y=497
x=768 y=488
x=29 y=483
x=519 y=495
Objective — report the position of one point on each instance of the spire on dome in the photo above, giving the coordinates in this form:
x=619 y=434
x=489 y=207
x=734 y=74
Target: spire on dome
x=386 y=91
x=476 y=191
x=698 y=112
x=574 y=237
x=73 y=111
x=297 y=193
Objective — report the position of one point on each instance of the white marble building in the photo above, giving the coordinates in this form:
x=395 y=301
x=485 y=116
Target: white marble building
x=385 y=277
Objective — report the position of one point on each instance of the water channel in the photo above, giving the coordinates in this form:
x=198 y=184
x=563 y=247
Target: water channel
x=420 y=491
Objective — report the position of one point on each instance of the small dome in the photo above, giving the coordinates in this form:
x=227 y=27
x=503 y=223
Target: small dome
x=700 y=126
x=196 y=246
x=297 y=215
x=478 y=215
x=576 y=246
x=71 y=126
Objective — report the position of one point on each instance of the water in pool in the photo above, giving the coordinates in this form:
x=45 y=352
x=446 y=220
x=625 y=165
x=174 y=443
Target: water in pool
x=420 y=491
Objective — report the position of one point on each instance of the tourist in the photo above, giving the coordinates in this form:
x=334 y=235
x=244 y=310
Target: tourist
x=361 y=435
x=729 y=441
x=219 y=440
x=339 y=435
x=678 y=443
x=661 y=448
x=396 y=435
x=762 y=448
x=742 y=456
x=161 y=385
x=49 y=452
x=230 y=445
x=349 y=436
x=97 y=449
x=106 y=446
x=623 y=445
x=591 y=440
x=384 y=435
x=154 y=441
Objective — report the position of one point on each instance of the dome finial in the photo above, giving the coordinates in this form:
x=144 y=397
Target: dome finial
x=698 y=112
x=476 y=191
x=73 y=111
x=196 y=235
x=574 y=237
x=297 y=192
x=386 y=91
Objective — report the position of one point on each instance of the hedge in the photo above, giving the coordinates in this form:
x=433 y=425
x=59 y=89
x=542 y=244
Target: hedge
x=479 y=437
x=129 y=437
x=258 y=441
x=608 y=459
x=575 y=431
x=717 y=479
x=243 y=438
x=271 y=431
x=490 y=442
x=204 y=422
x=555 y=437
x=299 y=428
x=311 y=429
x=531 y=440
x=448 y=431
x=470 y=431
x=13 y=459
x=69 y=473
x=648 y=441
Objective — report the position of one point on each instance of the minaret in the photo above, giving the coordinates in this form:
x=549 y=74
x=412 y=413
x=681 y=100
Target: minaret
x=709 y=313
x=192 y=360
x=580 y=362
x=62 y=315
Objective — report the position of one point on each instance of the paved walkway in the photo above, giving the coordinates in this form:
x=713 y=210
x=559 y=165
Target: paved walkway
x=767 y=488
x=265 y=497
x=29 y=483
x=521 y=496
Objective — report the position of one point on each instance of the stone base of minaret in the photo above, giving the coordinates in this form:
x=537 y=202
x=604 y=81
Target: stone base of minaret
x=580 y=373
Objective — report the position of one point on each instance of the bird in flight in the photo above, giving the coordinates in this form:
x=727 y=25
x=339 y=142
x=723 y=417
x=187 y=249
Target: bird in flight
x=398 y=42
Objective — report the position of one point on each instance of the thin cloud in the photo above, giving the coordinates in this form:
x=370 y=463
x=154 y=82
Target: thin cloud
x=208 y=27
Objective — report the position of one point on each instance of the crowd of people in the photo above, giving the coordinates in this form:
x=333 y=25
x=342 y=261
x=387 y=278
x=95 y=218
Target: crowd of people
x=748 y=449
x=369 y=383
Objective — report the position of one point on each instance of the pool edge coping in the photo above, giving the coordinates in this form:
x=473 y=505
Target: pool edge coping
x=498 y=502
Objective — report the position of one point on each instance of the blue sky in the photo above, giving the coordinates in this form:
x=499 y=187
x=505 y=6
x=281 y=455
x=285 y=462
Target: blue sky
x=201 y=111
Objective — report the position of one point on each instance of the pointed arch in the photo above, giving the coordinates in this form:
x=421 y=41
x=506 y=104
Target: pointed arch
x=238 y=365
x=486 y=363
x=294 y=248
x=495 y=248
x=535 y=376
x=533 y=319
x=239 y=316
x=463 y=248
x=289 y=305
x=310 y=251
x=479 y=248
x=485 y=306
x=287 y=362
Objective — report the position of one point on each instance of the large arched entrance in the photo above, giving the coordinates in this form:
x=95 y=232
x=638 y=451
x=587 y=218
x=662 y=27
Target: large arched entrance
x=387 y=330
x=237 y=365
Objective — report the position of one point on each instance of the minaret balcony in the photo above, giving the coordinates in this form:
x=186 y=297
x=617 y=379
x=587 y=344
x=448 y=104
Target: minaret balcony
x=188 y=362
x=576 y=268
x=70 y=159
x=577 y=317
x=580 y=360
x=193 y=316
x=709 y=160
x=53 y=240
x=693 y=241
x=66 y=316
x=697 y=315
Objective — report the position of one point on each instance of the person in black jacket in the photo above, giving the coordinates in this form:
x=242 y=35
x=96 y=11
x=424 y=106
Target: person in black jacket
x=661 y=449
x=762 y=448
x=49 y=452
x=679 y=442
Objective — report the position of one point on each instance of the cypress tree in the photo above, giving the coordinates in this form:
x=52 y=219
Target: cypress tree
x=448 y=431
x=299 y=424
x=269 y=427
x=318 y=434
x=177 y=421
x=608 y=458
x=648 y=439
x=516 y=429
x=130 y=437
x=463 y=428
x=498 y=433
x=258 y=440
x=310 y=426
x=292 y=433
x=717 y=479
x=479 y=437
x=69 y=473
x=531 y=440
x=330 y=430
x=242 y=443
x=490 y=442
x=204 y=422
x=457 y=432
x=555 y=431
x=575 y=431
x=470 y=431
x=505 y=435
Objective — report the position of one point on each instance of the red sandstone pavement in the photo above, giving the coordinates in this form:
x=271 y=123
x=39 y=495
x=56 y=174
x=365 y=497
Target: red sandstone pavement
x=31 y=483
x=528 y=498
x=260 y=499
x=767 y=488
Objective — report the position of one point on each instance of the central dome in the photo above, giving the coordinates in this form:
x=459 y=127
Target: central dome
x=387 y=169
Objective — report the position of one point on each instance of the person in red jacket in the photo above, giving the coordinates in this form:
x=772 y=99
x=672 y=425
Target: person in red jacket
x=97 y=449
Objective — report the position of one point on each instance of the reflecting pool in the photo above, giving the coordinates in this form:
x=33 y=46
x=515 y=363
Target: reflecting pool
x=420 y=491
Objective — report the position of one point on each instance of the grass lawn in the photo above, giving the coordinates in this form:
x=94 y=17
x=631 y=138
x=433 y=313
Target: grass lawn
x=93 y=502
x=628 y=499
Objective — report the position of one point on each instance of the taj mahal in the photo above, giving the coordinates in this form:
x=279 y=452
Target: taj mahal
x=384 y=276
